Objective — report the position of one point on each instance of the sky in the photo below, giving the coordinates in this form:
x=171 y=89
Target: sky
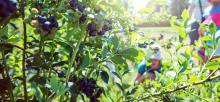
x=138 y=4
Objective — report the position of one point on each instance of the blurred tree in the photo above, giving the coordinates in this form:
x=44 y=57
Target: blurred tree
x=177 y=7
x=155 y=13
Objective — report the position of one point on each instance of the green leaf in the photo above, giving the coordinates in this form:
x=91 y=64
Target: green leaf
x=105 y=76
x=37 y=92
x=184 y=66
x=4 y=30
x=212 y=28
x=104 y=51
x=56 y=86
x=131 y=91
x=181 y=32
x=212 y=65
x=193 y=79
x=206 y=38
x=129 y=53
x=126 y=72
x=114 y=41
x=185 y=14
x=86 y=61
x=116 y=74
x=120 y=87
x=117 y=60
x=14 y=40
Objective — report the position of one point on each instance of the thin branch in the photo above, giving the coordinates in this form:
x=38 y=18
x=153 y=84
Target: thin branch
x=14 y=46
x=73 y=57
x=22 y=10
x=209 y=78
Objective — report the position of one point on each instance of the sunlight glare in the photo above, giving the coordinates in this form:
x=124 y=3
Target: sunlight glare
x=138 y=4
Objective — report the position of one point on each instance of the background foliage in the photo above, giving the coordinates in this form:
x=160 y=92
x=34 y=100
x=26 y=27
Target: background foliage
x=68 y=62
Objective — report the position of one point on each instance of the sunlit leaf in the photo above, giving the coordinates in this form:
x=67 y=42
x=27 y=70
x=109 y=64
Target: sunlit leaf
x=212 y=65
x=185 y=14
x=193 y=79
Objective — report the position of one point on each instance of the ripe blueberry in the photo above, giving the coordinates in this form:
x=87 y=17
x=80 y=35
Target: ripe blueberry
x=46 y=26
x=91 y=26
x=101 y=32
x=73 y=3
x=93 y=33
x=41 y=19
x=105 y=28
x=82 y=19
x=61 y=74
x=81 y=8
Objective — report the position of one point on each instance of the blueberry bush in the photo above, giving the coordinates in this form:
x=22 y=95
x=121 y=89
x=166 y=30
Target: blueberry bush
x=58 y=50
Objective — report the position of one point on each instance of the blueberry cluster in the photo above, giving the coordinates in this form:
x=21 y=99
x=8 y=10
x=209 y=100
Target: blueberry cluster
x=145 y=44
x=7 y=8
x=75 y=5
x=89 y=88
x=92 y=28
x=47 y=25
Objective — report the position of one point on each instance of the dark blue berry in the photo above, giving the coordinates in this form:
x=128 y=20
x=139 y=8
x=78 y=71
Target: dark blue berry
x=54 y=24
x=99 y=92
x=46 y=26
x=93 y=99
x=3 y=5
x=93 y=33
x=93 y=82
x=7 y=8
x=41 y=19
x=82 y=83
x=89 y=91
x=61 y=74
x=101 y=32
x=81 y=8
x=105 y=28
x=91 y=26
x=71 y=53
x=82 y=19
x=73 y=3
x=53 y=21
x=11 y=6
x=110 y=28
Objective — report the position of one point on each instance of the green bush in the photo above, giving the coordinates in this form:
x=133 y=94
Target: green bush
x=56 y=50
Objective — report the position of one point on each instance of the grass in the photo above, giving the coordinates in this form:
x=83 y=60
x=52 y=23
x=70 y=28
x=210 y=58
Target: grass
x=154 y=32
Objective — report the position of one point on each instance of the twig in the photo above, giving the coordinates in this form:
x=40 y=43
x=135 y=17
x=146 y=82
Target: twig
x=22 y=4
x=209 y=78
x=196 y=96
x=14 y=46
x=209 y=59
x=73 y=57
